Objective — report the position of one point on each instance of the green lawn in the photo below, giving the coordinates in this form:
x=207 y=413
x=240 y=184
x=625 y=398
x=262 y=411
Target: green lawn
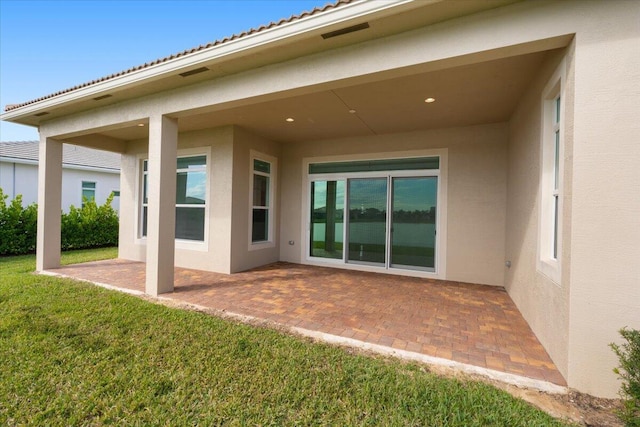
x=76 y=354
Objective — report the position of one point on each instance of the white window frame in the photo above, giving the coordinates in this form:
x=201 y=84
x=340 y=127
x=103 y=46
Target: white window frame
x=271 y=206
x=549 y=261
x=94 y=189
x=441 y=219
x=201 y=245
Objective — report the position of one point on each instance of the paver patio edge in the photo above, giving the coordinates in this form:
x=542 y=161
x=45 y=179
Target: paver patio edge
x=512 y=379
x=507 y=378
x=102 y=285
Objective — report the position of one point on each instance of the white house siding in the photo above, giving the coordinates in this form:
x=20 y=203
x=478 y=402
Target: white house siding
x=22 y=178
x=19 y=178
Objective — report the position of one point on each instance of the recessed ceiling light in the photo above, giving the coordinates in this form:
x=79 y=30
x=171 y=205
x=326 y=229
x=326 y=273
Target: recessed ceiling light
x=140 y=125
x=290 y=119
x=430 y=100
x=352 y=111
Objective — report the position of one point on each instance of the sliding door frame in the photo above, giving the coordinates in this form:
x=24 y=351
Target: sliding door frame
x=441 y=209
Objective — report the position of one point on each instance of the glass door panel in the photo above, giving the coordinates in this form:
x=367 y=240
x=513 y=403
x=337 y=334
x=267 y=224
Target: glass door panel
x=367 y=233
x=413 y=222
x=327 y=219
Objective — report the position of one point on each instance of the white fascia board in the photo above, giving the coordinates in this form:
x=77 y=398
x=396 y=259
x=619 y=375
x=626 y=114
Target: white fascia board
x=64 y=165
x=90 y=168
x=220 y=52
x=17 y=160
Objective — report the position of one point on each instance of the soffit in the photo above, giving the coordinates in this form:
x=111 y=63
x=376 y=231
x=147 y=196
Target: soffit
x=486 y=92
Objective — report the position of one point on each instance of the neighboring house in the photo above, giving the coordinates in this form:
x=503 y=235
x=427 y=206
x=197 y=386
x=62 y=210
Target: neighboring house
x=491 y=142
x=85 y=172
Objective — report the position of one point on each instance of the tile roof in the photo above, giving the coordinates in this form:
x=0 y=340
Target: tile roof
x=303 y=15
x=71 y=154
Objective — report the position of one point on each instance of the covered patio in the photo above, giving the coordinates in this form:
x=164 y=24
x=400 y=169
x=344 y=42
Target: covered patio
x=475 y=325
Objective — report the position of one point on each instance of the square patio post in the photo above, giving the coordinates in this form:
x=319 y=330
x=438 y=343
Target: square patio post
x=161 y=214
x=49 y=204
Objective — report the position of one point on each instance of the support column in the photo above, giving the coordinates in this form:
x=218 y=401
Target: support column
x=49 y=204
x=161 y=214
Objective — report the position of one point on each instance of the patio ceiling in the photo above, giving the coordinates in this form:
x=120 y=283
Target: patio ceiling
x=485 y=92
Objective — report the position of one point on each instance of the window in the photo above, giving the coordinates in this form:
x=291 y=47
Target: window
x=380 y=213
x=88 y=191
x=327 y=218
x=555 y=192
x=414 y=163
x=262 y=185
x=550 y=226
x=191 y=199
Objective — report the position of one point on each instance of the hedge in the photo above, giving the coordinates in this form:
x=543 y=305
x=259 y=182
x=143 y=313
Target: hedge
x=88 y=227
x=629 y=372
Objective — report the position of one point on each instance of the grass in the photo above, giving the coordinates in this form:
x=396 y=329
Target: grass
x=75 y=354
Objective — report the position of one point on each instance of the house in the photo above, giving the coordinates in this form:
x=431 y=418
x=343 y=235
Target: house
x=86 y=172
x=492 y=142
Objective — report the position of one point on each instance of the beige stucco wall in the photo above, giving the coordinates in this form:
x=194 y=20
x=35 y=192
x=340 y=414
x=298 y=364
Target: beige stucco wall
x=476 y=196
x=544 y=303
x=244 y=255
x=599 y=289
x=227 y=249
x=605 y=211
x=213 y=254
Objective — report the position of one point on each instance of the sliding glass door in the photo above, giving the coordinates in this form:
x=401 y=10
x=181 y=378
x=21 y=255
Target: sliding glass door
x=367 y=232
x=327 y=219
x=413 y=222
x=363 y=214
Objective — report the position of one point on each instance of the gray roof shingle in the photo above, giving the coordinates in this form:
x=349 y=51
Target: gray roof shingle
x=71 y=154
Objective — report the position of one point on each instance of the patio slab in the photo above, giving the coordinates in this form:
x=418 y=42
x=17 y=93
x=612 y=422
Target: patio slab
x=467 y=323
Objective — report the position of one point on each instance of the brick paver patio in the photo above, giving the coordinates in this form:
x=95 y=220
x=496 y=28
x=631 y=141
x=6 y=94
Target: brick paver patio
x=467 y=323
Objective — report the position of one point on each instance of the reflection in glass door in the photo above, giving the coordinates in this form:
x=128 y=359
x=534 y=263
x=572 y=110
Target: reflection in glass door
x=413 y=222
x=386 y=219
x=367 y=229
x=327 y=219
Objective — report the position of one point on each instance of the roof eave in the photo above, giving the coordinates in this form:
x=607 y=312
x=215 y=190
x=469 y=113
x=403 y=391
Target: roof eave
x=261 y=40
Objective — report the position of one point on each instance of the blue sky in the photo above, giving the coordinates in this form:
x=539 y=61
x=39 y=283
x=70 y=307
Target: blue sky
x=50 y=45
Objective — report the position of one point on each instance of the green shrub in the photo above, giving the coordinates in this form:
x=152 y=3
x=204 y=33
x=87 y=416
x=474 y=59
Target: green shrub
x=17 y=226
x=629 y=371
x=90 y=226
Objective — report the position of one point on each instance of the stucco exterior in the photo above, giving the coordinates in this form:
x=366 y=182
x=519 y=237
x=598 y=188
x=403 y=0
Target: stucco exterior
x=226 y=248
x=543 y=302
x=491 y=67
x=476 y=192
